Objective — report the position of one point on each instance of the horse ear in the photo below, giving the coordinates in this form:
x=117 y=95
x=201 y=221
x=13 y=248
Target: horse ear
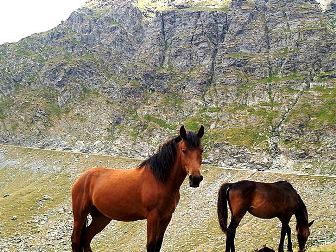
x=183 y=132
x=310 y=223
x=200 y=132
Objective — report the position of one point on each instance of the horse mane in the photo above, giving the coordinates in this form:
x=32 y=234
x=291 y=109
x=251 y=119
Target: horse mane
x=162 y=162
x=301 y=214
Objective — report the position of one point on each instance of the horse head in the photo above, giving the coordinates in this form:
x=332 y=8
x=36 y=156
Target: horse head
x=303 y=233
x=191 y=150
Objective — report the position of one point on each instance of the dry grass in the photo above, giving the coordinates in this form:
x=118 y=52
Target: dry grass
x=29 y=174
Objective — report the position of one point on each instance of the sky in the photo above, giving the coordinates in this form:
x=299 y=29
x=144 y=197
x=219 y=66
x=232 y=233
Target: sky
x=21 y=18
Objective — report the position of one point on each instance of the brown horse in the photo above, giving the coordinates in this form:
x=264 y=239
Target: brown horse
x=150 y=191
x=263 y=200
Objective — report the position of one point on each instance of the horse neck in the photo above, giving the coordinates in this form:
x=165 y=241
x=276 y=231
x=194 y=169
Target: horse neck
x=177 y=175
x=301 y=214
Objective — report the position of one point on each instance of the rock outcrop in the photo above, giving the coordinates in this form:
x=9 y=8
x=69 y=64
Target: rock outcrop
x=120 y=76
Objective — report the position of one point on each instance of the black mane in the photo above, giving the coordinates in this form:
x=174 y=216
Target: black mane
x=301 y=214
x=162 y=162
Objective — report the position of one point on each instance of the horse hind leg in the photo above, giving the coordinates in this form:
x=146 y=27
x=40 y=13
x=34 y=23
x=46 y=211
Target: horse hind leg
x=78 y=229
x=80 y=210
x=98 y=223
x=231 y=232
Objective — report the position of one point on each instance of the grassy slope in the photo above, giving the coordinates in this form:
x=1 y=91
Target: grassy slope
x=29 y=174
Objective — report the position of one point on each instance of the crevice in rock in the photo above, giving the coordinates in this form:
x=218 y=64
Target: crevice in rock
x=219 y=38
x=290 y=42
x=191 y=42
x=268 y=44
x=165 y=44
x=195 y=27
x=275 y=131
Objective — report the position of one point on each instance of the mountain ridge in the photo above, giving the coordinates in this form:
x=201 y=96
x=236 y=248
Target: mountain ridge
x=117 y=77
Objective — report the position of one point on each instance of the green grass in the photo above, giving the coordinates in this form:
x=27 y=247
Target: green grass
x=251 y=137
x=324 y=76
x=26 y=189
x=318 y=114
x=5 y=104
x=247 y=136
x=173 y=100
x=160 y=122
x=268 y=114
x=276 y=78
x=194 y=123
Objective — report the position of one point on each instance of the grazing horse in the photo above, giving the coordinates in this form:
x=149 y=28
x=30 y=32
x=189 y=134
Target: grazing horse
x=266 y=201
x=150 y=191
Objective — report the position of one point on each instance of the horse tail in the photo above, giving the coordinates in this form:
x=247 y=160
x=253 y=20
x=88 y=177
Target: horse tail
x=222 y=206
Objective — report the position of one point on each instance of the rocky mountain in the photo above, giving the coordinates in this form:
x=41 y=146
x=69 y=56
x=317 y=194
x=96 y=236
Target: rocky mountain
x=119 y=77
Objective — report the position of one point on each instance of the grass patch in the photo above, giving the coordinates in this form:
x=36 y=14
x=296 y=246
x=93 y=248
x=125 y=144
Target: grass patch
x=277 y=78
x=194 y=123
x=268 y=115
x=162 y=123
x=173 y=100
x=5 y=103
x=319 y=114
x=25 y=198
x=246 y=137
x=324 y=76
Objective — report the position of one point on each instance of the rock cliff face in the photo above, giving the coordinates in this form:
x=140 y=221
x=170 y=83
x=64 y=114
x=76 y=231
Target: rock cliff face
x=119 y=77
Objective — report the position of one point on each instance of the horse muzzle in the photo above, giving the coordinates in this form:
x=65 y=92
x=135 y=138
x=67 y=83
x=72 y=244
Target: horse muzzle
x=194 y=181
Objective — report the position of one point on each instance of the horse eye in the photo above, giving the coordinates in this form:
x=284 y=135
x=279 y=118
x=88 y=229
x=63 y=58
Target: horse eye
x=184 y=151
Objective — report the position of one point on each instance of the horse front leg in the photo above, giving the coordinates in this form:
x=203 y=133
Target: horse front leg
x=153 y=225
x=162 y=229
x=282 y=237
x=289 y=245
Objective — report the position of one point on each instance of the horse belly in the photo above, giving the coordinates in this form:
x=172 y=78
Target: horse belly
x=121 y=209
x=119 y=201
x=124 y=215
x=263 y=209
x=260 y=213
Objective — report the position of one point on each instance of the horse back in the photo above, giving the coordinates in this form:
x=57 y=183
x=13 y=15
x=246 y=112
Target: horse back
x=278 y=199
x=264 y=200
